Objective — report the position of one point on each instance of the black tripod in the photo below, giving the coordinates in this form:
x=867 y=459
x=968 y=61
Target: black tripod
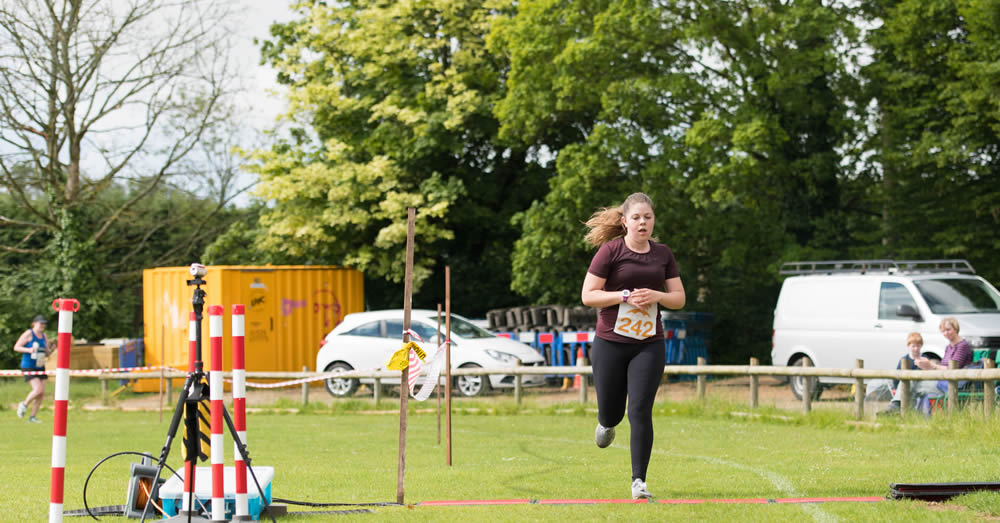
x=195 y=391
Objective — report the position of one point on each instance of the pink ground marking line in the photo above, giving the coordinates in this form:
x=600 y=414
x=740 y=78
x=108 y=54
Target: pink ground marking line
x=867 y=499
x=589 y=501
x=459 y=502
x=748 y=501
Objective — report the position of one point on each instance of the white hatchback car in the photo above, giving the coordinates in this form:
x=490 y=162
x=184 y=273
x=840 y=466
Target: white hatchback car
x=366 y=340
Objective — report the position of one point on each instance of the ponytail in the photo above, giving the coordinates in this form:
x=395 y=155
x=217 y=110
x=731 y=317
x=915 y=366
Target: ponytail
x=606 y=224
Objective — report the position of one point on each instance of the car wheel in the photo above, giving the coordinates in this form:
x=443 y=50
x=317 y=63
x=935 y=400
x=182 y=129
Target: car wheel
x=798 y=383
x=339 y=387
x=470 y=386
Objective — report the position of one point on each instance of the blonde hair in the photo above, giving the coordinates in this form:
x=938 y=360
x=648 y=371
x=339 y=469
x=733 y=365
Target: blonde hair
x=915 y=337
x=950 y=320
x=606 y=224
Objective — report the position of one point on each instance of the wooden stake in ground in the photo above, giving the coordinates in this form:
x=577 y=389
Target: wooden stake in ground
x=404 y=390
x=162 y=367
x=447 y=358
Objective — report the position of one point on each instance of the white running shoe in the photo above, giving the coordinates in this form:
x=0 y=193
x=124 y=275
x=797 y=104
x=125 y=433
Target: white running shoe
x=639 y=490
x=21 y=409
x=34 y=420
x=603 y=436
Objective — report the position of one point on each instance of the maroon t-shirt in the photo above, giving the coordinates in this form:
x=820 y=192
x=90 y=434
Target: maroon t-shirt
x=622 y=268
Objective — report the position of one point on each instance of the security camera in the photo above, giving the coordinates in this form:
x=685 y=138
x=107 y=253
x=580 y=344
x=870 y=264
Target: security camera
x=198 y=270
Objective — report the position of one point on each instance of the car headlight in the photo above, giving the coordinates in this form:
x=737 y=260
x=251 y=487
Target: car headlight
x=501 y=356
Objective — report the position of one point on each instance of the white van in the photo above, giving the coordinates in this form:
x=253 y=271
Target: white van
x=830 y=313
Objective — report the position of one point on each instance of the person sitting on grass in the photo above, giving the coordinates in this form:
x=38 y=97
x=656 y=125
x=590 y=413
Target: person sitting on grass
x=958 y=350
x=914 y=346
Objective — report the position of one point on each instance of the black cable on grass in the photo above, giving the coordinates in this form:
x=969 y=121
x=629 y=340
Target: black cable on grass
x=203 y=508
x=312 y=504
x=116 y=454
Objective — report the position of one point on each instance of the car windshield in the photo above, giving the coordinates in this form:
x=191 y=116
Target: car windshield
x=459 y=327
x=958 y=296
x=464 y=329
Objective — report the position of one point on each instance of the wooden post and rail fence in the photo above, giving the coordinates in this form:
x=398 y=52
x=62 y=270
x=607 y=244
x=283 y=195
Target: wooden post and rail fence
x=754 y=370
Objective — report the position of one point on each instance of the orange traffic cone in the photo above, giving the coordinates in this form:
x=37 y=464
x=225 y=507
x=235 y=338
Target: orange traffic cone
x=578 y=379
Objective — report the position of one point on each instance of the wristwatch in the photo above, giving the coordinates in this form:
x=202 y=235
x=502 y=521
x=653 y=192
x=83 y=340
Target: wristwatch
x=625 y=294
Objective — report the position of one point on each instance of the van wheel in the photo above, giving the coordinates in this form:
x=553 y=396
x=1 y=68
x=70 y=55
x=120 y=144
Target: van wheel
x=798 y=383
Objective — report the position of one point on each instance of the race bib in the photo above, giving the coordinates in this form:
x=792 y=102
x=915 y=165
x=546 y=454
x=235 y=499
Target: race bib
x=634 y=322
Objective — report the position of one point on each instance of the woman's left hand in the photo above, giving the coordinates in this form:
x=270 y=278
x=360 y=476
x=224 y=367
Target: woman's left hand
x=643 y=297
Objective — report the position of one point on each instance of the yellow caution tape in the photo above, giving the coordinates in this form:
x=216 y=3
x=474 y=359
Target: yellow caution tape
x=401 y=358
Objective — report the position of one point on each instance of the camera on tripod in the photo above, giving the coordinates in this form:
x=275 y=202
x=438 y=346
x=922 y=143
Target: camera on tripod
x=198 y=270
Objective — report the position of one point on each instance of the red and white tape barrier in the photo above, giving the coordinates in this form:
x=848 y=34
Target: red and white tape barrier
x=78 y=372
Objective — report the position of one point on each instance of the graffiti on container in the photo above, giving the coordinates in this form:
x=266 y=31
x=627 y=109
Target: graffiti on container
x=257 y=300
x=327 y=302
x=289 y=306
x=256 y=333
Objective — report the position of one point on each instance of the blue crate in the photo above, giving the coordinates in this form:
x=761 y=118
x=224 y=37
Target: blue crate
x=172 y=491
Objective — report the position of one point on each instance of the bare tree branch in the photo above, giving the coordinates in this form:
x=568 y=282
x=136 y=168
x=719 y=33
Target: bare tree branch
x=133 y=83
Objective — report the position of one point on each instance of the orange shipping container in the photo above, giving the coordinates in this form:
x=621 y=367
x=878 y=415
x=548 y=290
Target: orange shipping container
x=289 y=310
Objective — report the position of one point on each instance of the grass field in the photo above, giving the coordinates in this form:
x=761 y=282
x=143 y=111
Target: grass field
x=348 y=455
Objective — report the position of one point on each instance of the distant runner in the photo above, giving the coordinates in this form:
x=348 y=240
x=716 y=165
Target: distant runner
x=34 y=348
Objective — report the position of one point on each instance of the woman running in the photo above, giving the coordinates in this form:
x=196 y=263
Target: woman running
x=629 y=277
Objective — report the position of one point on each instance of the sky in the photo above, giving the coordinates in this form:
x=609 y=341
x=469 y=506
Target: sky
x=263 y=93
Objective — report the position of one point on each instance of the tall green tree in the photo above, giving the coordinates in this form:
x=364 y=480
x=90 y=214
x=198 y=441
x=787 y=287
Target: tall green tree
x=391 y=107
x=934 y=82
x=729 y=114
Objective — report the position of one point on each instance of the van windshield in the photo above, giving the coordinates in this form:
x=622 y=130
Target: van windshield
x=958 y=296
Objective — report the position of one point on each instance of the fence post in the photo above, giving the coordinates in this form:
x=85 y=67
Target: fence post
x=305 y=388
x=859 y=392
x=904 y=390
x=170 y=391
x=989 y=390
x=701 y=380
x=582 y=362
x=754 y=382
x=517 y=386
x=807 y=388
x=377 y=391
x=952 y=389
x=104 y=392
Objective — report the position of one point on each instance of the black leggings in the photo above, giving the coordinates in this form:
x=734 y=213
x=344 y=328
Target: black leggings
x=629 y=371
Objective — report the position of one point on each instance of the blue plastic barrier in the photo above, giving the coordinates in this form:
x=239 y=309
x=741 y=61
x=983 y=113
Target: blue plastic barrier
x=573 y=342
x=131 y=353
x=687 y=336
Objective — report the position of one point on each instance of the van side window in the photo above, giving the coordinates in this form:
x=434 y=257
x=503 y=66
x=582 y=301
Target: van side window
x=891 y=296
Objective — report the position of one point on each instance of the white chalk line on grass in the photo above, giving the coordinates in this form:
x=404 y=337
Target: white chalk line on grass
x=783 y=484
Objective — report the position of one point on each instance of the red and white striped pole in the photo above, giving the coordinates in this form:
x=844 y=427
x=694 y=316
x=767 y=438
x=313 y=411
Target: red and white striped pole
x=215 y=397
x=66 y=308
x=190 y=462
x=240 y=413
